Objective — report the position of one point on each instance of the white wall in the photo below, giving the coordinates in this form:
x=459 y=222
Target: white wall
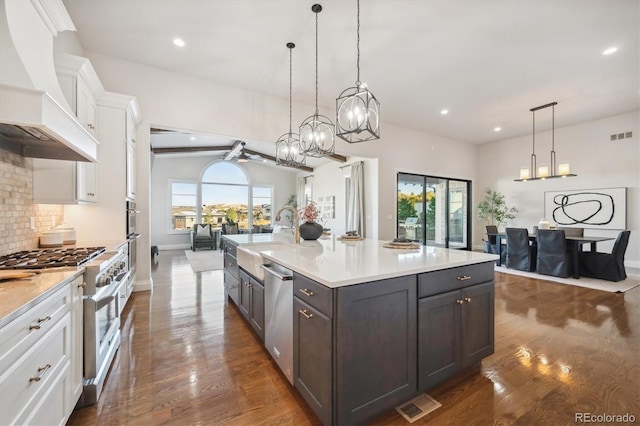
x=191 y=168
x=329 y=179
x=597 y=161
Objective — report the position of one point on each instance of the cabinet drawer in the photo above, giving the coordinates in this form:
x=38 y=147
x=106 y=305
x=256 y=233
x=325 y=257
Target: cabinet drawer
x=230 y=248
x=436 y=282
x=231 y=264
x=313 y=293
x=23 y=332
x=30 y=378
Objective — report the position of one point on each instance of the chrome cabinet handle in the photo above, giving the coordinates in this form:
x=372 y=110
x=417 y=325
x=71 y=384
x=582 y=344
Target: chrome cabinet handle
x=305 y=314
x=306 y=292
x=464 y=278
x=233 y=286
x=39 y=321
x=83 y=285
x=459 y=302
x=248 y=284
x=41 y=371
x=467 y=299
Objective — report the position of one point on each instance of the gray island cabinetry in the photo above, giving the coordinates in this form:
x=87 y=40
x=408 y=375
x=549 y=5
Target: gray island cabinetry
x=371 y=336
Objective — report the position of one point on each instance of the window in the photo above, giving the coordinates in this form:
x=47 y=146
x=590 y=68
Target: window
x=262 y=202
x=434 y=211
x=184 y=210
x=225 y=195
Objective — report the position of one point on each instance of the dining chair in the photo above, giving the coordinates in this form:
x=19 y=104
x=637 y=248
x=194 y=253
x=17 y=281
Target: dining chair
x=606 y=266
x=520 y=255
x=494 y=243
x=553 y=257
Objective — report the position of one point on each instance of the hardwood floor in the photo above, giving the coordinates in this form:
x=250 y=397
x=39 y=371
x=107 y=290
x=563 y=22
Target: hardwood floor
x=188 y=357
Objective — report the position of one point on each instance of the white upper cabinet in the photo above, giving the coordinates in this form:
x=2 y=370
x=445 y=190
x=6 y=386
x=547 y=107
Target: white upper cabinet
x=69 y=182
x=81 y=88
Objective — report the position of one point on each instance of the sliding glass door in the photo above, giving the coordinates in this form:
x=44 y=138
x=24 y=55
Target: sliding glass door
x=433 y=211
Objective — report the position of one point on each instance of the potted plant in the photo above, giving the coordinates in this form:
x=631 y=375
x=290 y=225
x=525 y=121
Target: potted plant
x=231 y=221
x=493 y=208
x=310 y=229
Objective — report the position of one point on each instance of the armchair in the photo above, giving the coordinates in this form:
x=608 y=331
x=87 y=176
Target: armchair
x=202 y=236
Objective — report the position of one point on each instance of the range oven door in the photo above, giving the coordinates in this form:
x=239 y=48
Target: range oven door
x=101 y=330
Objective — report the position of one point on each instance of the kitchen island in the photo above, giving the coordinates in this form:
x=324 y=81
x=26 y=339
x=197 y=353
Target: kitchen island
x=374 y=326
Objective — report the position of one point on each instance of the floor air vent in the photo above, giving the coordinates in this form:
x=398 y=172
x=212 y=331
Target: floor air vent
x=418 y=407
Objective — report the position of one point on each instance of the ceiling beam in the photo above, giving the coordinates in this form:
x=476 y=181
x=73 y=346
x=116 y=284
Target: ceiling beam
x=273 y=159
x=337 y=157
x=182 y=149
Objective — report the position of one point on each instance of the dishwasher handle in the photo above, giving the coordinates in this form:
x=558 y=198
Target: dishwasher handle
x=281 y=277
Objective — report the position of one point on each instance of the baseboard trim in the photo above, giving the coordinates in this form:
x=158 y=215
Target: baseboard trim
x=174 y=247
x=143 y=285
x=632 y=264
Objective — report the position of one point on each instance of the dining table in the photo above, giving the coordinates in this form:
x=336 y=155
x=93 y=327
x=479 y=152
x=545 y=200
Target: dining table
x=574 y=243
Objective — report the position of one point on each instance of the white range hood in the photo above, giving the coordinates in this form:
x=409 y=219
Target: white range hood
x=35 y=118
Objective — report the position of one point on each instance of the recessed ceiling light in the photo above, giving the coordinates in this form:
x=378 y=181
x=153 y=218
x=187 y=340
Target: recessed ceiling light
x=497 y=129
x=178 y=42
x=192 y=138
x=610 y=50
x=444 y=112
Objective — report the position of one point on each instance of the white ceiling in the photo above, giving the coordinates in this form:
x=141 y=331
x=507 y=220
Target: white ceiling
x=487 y=61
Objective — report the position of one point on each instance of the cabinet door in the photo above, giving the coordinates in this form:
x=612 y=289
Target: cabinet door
x=438 y=338
x=232 y=287
x=86 y=107
x=477 y=323
x=256 y=314
x=312 y=358
x=87 y=181
x=377 y=338
x=77 y=291
x=245 y=294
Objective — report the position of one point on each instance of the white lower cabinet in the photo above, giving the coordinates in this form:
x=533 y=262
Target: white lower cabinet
x=41 y=360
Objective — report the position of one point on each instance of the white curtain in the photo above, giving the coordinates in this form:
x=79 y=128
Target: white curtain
x=300 y=184
x=355 y=201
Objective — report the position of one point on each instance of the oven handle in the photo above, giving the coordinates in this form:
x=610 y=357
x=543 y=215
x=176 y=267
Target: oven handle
x=101 y=303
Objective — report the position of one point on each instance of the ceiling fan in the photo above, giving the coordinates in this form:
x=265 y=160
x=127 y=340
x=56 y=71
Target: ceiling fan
x=242 y=155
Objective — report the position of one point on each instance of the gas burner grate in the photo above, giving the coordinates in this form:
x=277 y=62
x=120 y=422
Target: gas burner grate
x=49 y=258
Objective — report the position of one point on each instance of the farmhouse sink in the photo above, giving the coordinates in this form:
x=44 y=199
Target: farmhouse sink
x=250 y=259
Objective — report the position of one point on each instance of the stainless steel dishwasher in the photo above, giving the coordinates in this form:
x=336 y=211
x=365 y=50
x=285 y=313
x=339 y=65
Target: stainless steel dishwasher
x=278 y=315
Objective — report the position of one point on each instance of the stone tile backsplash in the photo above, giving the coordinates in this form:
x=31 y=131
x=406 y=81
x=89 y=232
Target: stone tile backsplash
x=17 y=208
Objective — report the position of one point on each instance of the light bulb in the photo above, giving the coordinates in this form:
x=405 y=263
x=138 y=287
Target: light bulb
x=524 y=174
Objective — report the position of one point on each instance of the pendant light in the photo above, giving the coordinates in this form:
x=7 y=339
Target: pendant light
x=357 y=109
x=543 y=172
x=317 y=132
x=288 y=150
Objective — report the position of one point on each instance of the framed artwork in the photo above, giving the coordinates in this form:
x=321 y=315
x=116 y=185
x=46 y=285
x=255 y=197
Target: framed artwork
x=588 y=208
x=326 y=205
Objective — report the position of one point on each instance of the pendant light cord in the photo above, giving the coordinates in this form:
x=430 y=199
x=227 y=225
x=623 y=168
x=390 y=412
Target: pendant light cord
x=290 y=86
x=358 y=47
x=317 y=63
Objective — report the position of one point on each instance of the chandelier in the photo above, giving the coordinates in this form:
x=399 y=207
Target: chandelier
x=357 y=109
x=317 y=131
x=542 y=172
x=288 y=150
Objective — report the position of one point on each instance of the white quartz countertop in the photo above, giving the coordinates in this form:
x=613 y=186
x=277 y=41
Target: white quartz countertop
x=335 y=263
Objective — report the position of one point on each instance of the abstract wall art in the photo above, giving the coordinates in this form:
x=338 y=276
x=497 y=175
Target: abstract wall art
x=589 y=208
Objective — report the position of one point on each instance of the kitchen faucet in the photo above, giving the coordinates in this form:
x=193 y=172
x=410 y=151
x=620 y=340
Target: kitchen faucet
x=296 y=221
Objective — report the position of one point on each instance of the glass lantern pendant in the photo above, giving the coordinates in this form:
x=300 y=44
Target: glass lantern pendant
x=288 y=150
x=357 y=109
x=317 y=132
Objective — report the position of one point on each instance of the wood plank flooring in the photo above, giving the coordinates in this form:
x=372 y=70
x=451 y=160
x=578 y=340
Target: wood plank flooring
x=189 y=358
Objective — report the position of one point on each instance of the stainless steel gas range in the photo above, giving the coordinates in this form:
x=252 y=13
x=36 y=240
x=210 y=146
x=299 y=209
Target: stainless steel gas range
x=108 y=285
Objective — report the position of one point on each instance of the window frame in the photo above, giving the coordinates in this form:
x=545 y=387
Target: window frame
x=171 y=230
